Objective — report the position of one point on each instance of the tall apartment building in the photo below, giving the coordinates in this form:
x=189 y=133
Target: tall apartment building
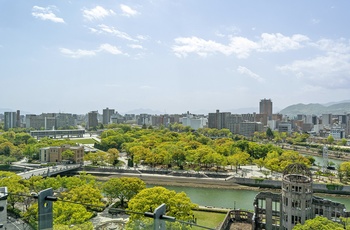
x=326 y=120
x=249 y=128
x=195 y=122
x=266 y=107
x=92 y=121
x=12 y=120
x=218 y=120
x=65 y=120
x=106 y=115
x=117 y=118
x=39 y=121
x=50 y=121
x=144 y=119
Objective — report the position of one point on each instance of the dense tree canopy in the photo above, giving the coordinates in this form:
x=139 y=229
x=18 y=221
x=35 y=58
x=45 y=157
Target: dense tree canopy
x=178 y=205
x=319 y=223
x=123 y=188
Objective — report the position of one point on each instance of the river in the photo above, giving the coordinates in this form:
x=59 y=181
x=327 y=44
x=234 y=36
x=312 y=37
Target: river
x=319 y=160
x=243 y=199
x=231 y=198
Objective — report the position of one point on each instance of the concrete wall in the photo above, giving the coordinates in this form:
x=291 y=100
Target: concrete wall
x=266 y=183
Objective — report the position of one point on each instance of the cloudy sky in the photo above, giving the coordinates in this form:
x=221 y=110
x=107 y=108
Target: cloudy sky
x=172 y=56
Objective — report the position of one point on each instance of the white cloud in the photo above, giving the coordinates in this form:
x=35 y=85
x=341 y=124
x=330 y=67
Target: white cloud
x=77 y=53
x=329 y=71
x=340 y=46
x=128 y=11
x=279 y=43
x=96 y=13
x=196 y=45
x=142 y=37
x=90 y=53
x=111 y=30
x=133 y=46
x=110 y=49
x=240 y=46
x=248 y=72
x=46 y=13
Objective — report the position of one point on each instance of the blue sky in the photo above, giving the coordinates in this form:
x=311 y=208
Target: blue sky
x=172 y=56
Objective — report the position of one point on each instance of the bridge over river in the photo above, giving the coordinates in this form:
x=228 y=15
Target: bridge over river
x=47 y=171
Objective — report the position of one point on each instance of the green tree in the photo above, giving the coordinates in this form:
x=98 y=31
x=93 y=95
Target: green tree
x=67 y=154
x=63 y=214
x=269 y=134
x=123 y=188
x=97 y=158
x=178 y=205
x=15 y=185
x=237 y=159
x=85 y=194
x=344 y=169
x=343 y=141
x=330 y=139
x=319 y=223
x=112 y=156
x=259 y=162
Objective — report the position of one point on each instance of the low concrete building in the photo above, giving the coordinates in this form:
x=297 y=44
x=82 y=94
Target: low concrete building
x=53 y=154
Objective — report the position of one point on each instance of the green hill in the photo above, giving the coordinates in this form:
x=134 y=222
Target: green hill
x=316 y=109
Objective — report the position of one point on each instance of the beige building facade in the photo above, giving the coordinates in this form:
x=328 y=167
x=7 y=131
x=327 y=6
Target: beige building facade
x=53 y=154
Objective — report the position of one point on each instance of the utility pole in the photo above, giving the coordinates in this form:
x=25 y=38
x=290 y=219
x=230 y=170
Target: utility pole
x=159 y=216
x=45 y=198
x=3 y=206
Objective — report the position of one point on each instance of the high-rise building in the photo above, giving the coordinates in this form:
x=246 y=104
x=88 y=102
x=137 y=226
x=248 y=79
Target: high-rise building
x=92 y=120
x=10 y=120
x=106 y=115
x=266 y=107
x=218 y=120
x=326 y=120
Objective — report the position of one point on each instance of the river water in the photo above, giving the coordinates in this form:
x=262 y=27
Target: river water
x=234 y=198
x=319 y=160
x=242 y=199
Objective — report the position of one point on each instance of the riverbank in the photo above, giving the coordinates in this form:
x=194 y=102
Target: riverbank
x=163 y=180
x=230 y=182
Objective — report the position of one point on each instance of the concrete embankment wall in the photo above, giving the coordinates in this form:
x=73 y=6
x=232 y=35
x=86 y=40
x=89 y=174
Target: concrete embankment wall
x=214 y=180
x=275 y=184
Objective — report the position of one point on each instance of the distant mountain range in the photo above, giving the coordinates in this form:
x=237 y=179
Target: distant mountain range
x=317 y=109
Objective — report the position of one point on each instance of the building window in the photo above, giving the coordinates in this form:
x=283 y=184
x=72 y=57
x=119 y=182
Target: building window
x=285 y=217
x=296 y=204
x=296 y=219
x=261 y=204
x=275 y=206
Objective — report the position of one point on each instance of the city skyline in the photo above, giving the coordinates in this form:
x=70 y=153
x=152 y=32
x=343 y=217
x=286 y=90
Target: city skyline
x=172 y=57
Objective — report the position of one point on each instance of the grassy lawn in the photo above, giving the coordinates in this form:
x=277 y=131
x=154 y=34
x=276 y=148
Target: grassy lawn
x=85 y=141
x=208 y=219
